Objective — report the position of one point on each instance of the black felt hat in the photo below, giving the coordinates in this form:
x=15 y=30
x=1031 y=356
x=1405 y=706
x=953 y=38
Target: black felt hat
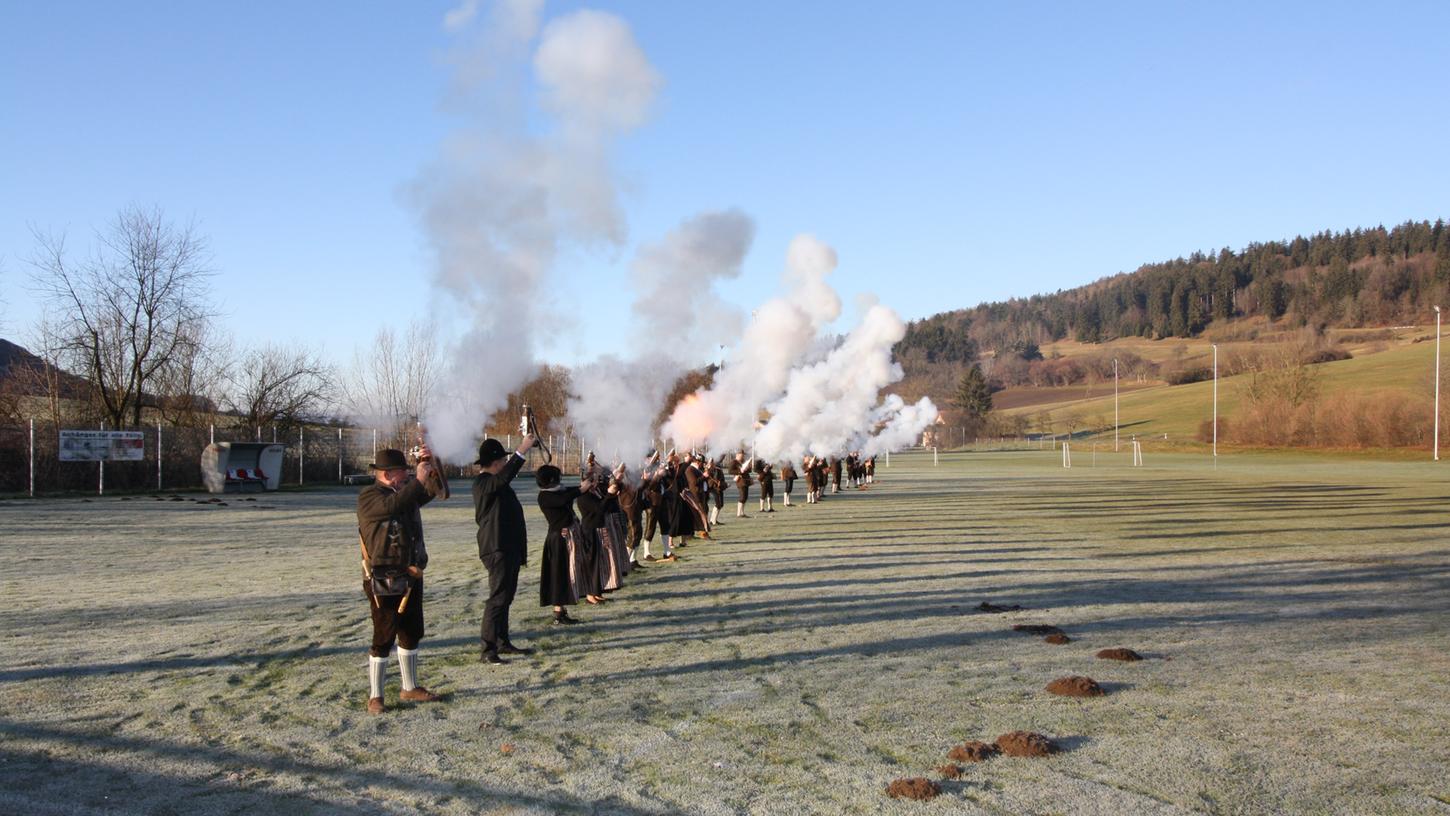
x=389 y=459
x=490 y=451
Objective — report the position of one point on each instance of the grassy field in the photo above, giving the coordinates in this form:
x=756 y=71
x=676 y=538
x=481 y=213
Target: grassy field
x=176 y=657
x=1179 y=410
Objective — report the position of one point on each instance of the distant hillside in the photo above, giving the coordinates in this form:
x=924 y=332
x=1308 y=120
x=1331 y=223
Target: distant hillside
x=25 y=374
x=1364 y=277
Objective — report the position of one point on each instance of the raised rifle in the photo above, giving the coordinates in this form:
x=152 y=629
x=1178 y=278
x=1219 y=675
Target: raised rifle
x=529 y=426
x=437 y=483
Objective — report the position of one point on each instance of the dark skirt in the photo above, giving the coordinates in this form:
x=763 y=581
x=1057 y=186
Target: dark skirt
x=586 y=561
x=613 y=560
x=556 y=583
x=680 y=518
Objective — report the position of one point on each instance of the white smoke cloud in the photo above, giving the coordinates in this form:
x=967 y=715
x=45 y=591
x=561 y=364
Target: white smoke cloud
x=781 y=335
x=595 y=76
x=501 y=200
x=677 y=314
x=828 y=405
x=676 y=308
x=821 y=396
x=903 y=424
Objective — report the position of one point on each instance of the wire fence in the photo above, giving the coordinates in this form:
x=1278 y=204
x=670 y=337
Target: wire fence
x=30 y=460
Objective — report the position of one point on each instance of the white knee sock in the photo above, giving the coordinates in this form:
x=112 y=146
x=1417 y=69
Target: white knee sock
x=762 y=505
x=408 y=666
x=740 y=509
x=787 y=500
x=377 y=675
x=645 y=546
x=667 y=546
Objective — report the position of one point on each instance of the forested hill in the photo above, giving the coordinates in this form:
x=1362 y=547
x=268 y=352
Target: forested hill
x=1364 y=277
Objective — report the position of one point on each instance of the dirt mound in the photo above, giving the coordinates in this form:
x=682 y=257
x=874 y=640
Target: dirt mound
x=951 y=771
x=1075 y=686
x=1037 y=629
x=1026 y=744
x=987 y=607
x=973 y=751
x=1119 y=654
x=916 y=787
x=1057 y=639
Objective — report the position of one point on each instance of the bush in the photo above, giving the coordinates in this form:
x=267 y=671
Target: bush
x=1184 y=376
x=1385 y=420
x=1325 y=355
x=1205 y=430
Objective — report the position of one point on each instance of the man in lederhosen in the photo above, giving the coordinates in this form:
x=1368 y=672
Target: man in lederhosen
x=390 y=528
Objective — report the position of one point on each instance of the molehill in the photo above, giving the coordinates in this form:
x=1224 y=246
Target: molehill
x=1026 y=744
x=973 y=751
x=1076 y=686
x=916 y=787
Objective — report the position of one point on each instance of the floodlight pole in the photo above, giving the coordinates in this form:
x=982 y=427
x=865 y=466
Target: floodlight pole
x=1115 y=405
x=1215 y=400
x=1437 y=384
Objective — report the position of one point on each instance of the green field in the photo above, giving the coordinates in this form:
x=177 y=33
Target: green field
x=174 y=657
x=1179 y=410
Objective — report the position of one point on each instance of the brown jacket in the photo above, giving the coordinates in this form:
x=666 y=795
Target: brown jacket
x=392 y=527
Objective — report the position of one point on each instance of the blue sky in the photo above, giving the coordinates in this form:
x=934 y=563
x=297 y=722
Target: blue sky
x=951 y=152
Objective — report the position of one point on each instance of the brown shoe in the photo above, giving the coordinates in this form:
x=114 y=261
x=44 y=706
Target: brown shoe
x=669 y=558
x=375 y=705
x=418 y=695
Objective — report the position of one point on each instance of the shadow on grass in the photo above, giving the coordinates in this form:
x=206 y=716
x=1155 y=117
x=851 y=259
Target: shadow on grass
x=176 y=789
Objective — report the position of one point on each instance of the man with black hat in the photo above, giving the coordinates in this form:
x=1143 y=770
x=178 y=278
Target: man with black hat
x=390 y=529
x=502 y=541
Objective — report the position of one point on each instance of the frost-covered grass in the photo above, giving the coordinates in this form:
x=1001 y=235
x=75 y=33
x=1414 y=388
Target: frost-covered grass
x=171 y=657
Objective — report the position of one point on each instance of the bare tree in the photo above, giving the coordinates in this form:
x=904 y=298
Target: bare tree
x=123 y=313
x=390 y=383
x=275 y=384
x=192 y=384
x=547 y=393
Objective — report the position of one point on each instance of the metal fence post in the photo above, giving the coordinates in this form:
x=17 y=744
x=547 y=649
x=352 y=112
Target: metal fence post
x=339 y=456
x=159 y=457
x=32 y=457
x=301 y=452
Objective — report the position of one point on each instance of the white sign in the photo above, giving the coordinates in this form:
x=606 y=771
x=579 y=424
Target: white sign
x=99 y=446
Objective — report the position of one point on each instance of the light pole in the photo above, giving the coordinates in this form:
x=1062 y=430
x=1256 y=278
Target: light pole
x=1437 y=384
x=1115 y=404
x=1215 y=400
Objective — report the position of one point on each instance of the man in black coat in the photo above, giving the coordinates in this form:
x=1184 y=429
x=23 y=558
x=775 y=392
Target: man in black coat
x=502 y=541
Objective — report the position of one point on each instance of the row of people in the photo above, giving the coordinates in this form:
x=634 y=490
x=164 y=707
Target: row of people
x=598 y=532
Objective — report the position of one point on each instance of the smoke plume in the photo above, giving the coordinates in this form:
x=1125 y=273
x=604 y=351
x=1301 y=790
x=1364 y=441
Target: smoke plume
x=501 y=200
x=676 y=312
x=819 y=399
x=778 y=338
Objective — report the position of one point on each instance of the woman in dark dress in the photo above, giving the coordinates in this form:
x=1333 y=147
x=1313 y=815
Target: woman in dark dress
x=679 y=515
x=587 y=565
x=556 y=587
